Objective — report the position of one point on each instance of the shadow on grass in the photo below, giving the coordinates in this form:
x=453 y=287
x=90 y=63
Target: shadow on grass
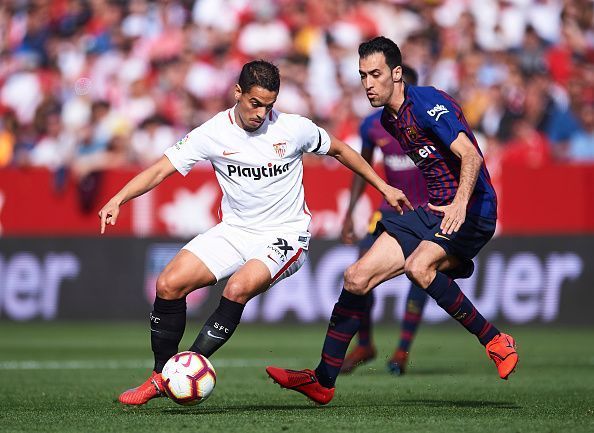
x=158 y=411
x=457 y=404
x=460 y=404
x=417 y=371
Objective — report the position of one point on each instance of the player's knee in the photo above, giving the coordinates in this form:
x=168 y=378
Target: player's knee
x=418 y=273
x=237 y=291
x=355 y=280
x=167 y=288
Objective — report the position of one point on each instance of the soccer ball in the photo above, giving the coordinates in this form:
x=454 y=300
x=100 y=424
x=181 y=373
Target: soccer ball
x=188 y=378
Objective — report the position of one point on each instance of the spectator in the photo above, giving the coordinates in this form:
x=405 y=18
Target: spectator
x=266 y=36
x=530 y=55
x=112 y=67
x=8 y=125
x=581 y=143
x=150 y=141
x=55 y=148
x=564 y=120
x=528 y=146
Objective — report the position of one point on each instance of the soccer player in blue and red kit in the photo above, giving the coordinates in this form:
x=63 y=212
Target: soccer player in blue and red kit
x=432 y=245
x=401 y=173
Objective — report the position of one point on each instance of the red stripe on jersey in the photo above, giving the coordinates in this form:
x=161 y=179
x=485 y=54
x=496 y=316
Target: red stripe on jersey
x=289 y=263
x=230 y=119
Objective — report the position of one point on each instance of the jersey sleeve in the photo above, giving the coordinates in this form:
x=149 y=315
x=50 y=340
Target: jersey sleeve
x=188 y=151
x=312 y=138
x=440 y=114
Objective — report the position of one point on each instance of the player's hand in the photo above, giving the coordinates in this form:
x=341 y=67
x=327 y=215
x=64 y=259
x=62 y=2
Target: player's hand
x=397 y=199
x=454 y=215
x=347 y=235
x=109 y=214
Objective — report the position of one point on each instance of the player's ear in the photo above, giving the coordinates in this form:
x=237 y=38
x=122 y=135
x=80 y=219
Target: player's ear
x=397 y=74
x=237 y=92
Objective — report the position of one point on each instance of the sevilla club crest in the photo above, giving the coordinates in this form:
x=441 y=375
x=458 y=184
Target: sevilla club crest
x=280 y=149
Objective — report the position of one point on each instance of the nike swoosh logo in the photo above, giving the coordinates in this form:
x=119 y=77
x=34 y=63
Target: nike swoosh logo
x=225 y=153
x=270 y=257
x=210 y=334
x=437 y=235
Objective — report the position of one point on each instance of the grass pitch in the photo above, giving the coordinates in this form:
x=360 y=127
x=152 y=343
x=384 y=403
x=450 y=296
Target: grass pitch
x=65 y=377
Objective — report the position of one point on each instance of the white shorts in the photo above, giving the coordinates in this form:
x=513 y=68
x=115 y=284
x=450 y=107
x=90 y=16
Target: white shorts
x=224 y=249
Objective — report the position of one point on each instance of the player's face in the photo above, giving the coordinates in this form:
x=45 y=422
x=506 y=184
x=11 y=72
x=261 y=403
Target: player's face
x=253 y=106
x=378 y=79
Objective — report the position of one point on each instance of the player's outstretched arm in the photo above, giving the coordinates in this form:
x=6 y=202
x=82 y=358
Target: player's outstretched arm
x=358 y=185
x=141 y=183
x=352 y=160
x=454 y=214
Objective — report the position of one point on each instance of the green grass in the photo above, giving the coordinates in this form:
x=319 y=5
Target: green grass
x=451 y=385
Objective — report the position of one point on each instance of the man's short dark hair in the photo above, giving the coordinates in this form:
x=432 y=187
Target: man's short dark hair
x=382 y=45
x=409 y=75
x=259 y=73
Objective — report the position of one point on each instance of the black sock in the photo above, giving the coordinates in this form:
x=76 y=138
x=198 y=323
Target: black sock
x=168 y=322
x=218 y=328
x=344 y=323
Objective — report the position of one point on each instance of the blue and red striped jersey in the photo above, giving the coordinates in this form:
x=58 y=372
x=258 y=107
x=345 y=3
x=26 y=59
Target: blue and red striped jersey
x=400 y=170
x=427 y=123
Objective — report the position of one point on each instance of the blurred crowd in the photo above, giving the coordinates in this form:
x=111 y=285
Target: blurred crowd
x=91 y=85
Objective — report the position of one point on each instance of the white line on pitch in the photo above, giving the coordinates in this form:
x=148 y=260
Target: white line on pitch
x=131 y=364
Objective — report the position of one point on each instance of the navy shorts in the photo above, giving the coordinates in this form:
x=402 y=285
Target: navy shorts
x=420 y=225
x=371 y=236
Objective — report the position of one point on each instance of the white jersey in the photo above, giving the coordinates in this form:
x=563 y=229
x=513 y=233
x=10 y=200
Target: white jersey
x=260 y=172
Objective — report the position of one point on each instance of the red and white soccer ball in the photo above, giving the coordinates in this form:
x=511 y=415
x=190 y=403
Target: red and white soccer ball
x=188 y=378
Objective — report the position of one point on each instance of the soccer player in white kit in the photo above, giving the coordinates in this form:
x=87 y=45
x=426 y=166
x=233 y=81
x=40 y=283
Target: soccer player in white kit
x=256 y=153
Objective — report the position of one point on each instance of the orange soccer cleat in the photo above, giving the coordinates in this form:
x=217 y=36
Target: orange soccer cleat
x=151 y=388
x=358 y=356
x=502 y=350
x=303 y=381
x=397 y=364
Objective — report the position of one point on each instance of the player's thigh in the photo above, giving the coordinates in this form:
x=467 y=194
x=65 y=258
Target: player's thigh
x=383 y=261
x=430 y=255
x=206 y=259
x=220 y=249
x=282 y=254
x=450 y=262
x=183 y=274
x=462 y=246
x=248 y=281
x=270 y=261
x=409 y=229
x=278 y=256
